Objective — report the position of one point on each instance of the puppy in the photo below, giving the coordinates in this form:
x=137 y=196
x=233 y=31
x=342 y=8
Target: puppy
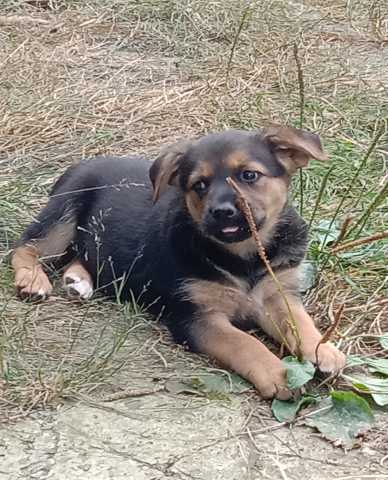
x=180 y=245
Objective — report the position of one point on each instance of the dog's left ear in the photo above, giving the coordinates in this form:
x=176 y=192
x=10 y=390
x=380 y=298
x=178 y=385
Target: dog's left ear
x=164 y=170
x=294 y=148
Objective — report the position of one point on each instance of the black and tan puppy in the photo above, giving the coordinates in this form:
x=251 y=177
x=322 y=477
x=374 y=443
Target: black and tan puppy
x=181 y=246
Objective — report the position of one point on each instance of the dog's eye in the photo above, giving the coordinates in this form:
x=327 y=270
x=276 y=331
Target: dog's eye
x=249 y=176
x=200 y=186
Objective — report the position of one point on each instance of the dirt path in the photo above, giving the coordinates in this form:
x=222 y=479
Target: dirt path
x=165 y=436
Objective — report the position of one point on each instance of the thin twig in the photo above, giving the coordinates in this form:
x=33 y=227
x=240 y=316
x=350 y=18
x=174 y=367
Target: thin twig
x=300 y=85
x=380 y=196
x=236 y=37
x=130 y=393
x=247 y=211
x=301 y=117
x=360 y=241
x=344 y=230
x=297 y=420
x=320 y=194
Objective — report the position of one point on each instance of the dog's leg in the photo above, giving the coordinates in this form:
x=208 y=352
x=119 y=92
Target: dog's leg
x=273 y=320
x=214 y=335
x=77 y=281
x=30 y=279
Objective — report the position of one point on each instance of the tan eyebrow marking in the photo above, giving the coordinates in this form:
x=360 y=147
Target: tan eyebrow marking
x=239 y=160
x=202 y=170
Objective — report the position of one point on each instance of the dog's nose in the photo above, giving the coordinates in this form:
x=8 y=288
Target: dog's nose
x=223 y=210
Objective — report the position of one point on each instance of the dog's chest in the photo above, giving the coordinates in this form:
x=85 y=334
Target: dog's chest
x=243 y=291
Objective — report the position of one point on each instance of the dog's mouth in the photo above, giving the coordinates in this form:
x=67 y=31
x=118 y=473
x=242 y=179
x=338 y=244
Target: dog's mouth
x=232 y=233
x=230 y=230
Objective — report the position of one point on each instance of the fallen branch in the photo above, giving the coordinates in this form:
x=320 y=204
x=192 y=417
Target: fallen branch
x=247 y=211
x=360 y=241
x=132 y=393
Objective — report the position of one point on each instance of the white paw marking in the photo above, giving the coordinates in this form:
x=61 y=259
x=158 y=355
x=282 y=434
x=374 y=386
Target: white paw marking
x=83 y=287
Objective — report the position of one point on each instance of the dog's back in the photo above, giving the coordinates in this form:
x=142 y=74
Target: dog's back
x=92 y=205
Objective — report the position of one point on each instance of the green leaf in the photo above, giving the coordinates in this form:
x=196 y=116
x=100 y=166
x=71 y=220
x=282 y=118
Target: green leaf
x=325 y=232
x=178 y=386
x=384 y=341
x=349 y=417
x=308 y=276
x=354 y=361
x=221 y=383
x=375 y=365
x=379 y=365
x=298 y=372
x=285 y=411
x=211 y=385
x=376 y=387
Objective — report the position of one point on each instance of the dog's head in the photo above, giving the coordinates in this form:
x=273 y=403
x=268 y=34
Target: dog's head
x=261 y=162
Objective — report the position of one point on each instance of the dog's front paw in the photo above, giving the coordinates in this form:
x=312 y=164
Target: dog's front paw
x=271 y=380
x=327 y=358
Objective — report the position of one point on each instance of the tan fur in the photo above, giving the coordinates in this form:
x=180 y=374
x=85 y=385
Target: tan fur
x=202 y=171
x=294 y=148
x=195 y=206
x=244 y=249
x=234 y=297
x=163 y=170
x=268 y=195
x=239 y=160
x=239 y=351
x=273 y=316
x=30 y=279
x=77 y=269
x=215 y=297
x=56 y=241
x=265 y=304
x=77 y=281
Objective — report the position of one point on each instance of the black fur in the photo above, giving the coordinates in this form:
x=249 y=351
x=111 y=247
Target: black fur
x=131 y=246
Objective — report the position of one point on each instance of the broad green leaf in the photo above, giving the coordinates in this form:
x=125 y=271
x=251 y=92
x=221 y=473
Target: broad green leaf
x=349 y=417
x=384 y=341
x=376 y=387
x=325 y=233
x=354 y=361
x=298 y=373
x=285 y=411
x=221 y=383
x=178 y=386
x=379 y=365
x=308 y=276
x=213 y=385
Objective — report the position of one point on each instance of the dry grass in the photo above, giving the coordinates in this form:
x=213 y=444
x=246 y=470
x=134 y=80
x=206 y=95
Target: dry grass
x=127 y=76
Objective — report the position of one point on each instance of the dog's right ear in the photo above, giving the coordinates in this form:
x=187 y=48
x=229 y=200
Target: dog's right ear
x=164 y=170
x=293 y=147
